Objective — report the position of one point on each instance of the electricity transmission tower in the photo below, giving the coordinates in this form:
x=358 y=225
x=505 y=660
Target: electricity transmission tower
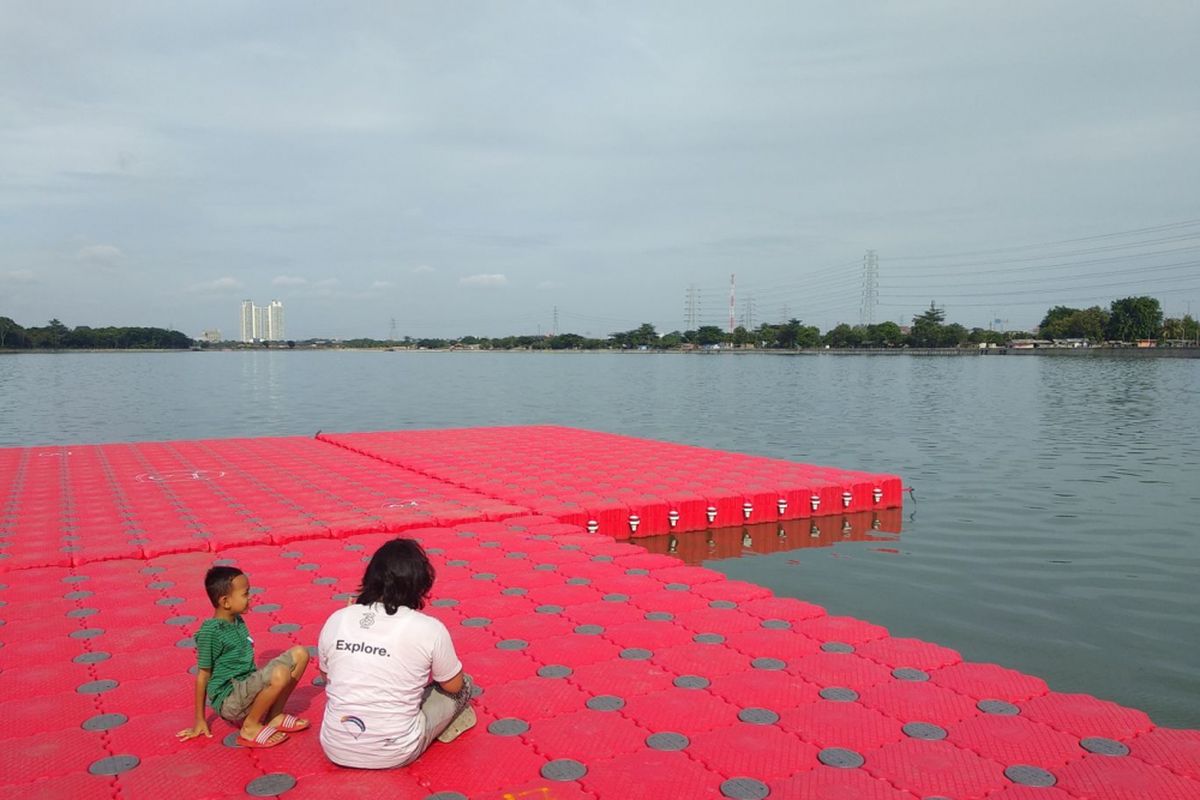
x=870 y=288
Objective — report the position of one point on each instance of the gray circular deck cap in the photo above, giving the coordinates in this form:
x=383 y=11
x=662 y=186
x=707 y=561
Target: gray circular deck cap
x=605 y=702
x=577 y=581
x=1001 y=707
x=839 y=694
x=541 y=537
x=744 y=789
x=484 y=576
x=1028 y=775
x=160 y=584
x=840 y=757
x=357 y=546
x=224 y=562
x=837 y=647
x=319 y=681
x=677 y=587
x=514 y=591
x=549 y=608
x=272 y=784
x=344 y=596
x=78 y=594
x=545 y=567
x=186 y=641
x=758 y=716
x=659 y=616
x=910 y=674
x=554 y=671
x=97 y=687
x=446 y=796
x=113 y=765
x=568 y=546
x=324 y=580
x=512 y=644
x=692 y=682
x=444 y=602
x=79 y=613
x=776 y=624
x=1104 y=747
x=924 y=730
x=616 y=597
x=75 y=579
x=605 y=557
x=291 y=554
x=180 y=619
x=230 y=739
x=104 y=722
x=94 y=657
x=637 y=571
x=168 y=601
x=86 y=633
x=589 y=630
x=308 y=567
x=636 y=653
x=708 y=638
x=476 y=622
x=457 y=562
x=489 y=544
x=466 y=534
x=152 y=570
x=516 y=554
x=266 y=608
x=722 y=604
x=563 y=769
x=768 y=663
x=668 y=741
x=285 y=627
x=509 y=726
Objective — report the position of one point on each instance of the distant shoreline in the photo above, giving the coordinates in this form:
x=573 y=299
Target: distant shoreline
x=1054 y=352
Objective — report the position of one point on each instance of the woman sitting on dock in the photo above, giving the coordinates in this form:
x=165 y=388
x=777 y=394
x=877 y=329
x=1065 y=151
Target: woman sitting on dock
x=394 y=682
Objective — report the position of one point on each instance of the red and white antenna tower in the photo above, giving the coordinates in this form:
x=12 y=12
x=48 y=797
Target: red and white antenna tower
x=732 y=298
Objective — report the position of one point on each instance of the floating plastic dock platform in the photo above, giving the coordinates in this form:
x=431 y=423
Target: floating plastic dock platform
x=607 y=671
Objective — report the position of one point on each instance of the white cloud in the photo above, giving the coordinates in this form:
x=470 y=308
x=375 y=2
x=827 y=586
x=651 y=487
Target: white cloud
x=225 y=284
x=103 y=254
x=383 y=285
x=288 y=280
x=493 y=279
x=423 y=269
x=18 y=276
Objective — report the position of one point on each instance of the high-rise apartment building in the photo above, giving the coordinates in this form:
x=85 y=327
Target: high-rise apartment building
x=262 y=323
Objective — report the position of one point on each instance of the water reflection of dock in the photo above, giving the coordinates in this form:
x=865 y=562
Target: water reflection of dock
x=774 y=537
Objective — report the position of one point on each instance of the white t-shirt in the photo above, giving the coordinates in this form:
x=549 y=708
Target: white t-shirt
x=378 y=667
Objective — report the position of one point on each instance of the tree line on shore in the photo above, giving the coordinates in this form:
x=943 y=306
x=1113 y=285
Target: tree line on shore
x=54 y=335
x=1126 y=320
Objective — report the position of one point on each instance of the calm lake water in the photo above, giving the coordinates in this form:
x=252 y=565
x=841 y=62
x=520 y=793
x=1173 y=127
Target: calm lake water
x=1054 y=523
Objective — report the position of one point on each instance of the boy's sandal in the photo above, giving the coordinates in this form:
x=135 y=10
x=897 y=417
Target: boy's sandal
x=263 y=739
x=292 y=723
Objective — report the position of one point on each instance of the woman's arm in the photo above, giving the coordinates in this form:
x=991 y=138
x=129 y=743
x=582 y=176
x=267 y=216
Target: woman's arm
x=452 y=686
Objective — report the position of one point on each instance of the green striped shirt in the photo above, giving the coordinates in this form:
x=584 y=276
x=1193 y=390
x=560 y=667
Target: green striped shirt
x=227 y=649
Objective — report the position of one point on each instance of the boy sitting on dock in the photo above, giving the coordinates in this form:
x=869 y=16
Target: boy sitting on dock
x=226 y=673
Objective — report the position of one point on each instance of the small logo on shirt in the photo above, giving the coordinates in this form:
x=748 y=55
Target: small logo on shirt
x=368 y=619
x=354 y=726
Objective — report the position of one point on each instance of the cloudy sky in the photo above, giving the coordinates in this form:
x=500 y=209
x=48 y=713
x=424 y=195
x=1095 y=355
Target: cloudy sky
x=469 y=167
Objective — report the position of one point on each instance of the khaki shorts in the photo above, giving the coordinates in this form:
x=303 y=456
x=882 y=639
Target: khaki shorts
x=238 y=701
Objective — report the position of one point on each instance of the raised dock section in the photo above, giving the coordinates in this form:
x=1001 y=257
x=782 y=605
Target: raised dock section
x=607 y=671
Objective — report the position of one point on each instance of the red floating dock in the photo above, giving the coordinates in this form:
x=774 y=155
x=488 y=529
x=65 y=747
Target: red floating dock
x=607 y=671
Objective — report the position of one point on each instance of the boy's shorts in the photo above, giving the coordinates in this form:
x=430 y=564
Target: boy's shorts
x=238 y=701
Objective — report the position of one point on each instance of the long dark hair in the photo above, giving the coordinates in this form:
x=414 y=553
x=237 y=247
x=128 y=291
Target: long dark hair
x=399 y=574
